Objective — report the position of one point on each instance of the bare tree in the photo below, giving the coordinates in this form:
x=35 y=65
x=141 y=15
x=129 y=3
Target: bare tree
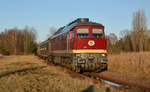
x=139 y=34
x=111 y=42
x=52 y=31
x=18 y=41
x=29 y=38
x=125 y=41
x=112 y=38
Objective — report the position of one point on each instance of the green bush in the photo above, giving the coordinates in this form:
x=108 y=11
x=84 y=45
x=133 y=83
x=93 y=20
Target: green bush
x=31 y=48
x=4 y=51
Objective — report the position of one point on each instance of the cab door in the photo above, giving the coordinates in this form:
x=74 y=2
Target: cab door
x=72 y=36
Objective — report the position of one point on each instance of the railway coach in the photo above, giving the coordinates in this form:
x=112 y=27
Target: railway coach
x=80 y=46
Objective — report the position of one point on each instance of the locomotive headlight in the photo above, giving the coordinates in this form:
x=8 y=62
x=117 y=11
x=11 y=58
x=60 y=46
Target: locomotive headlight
x=78 y=54
x=104 y=55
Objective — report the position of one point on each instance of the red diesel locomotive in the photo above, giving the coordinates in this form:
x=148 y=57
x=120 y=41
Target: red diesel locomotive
x=80 y=46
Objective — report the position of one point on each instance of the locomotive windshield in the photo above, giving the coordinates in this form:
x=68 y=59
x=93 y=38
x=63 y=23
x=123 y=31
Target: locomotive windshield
x=82 y=32
x=97 y=32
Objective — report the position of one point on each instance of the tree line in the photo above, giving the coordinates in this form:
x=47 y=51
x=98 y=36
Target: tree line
x=23 y=41
x=18 y=41
x=135 y=40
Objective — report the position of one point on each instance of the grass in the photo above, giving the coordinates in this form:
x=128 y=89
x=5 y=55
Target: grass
x=29 y=74
x=131 y=64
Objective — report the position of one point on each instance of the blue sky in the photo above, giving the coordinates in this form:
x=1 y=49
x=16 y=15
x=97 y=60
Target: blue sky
x=115 y=15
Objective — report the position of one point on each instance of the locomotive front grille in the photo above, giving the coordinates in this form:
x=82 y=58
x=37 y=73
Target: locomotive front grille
x=81 y=61
x=91 y=57
x=91 y=62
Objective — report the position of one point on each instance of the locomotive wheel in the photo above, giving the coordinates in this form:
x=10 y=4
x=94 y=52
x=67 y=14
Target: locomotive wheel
x=54 y=60
x=57 y=60
x=50 y=59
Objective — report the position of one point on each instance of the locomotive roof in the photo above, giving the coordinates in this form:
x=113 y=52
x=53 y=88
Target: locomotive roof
x=89 y=23
x=44 y=42
x=77 y=22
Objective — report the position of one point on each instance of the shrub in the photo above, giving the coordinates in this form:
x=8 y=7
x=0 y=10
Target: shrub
x=3 y=51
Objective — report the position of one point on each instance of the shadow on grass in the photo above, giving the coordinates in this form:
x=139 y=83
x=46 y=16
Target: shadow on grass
x=22 y=70
x=91 y=89
x=76 y=76
x=23 y=63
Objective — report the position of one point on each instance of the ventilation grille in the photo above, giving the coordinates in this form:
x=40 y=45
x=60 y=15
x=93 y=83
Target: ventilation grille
x=82 y=20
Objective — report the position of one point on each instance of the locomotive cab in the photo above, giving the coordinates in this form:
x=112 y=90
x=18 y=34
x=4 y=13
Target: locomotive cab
x=90 y=48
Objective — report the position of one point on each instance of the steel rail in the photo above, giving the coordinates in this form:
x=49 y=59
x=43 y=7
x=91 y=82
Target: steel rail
x=123 y=80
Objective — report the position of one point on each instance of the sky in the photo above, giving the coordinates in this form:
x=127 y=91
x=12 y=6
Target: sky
x=115 y=15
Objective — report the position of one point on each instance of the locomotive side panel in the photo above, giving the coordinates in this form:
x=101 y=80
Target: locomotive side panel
x=43 y=49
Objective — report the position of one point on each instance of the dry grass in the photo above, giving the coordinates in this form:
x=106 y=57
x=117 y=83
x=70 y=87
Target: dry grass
x=1 y=56
x=131 y=64
x=28 y=74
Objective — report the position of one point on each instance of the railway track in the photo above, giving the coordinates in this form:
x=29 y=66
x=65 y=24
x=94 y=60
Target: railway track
x=116 y=78
x=122 y=80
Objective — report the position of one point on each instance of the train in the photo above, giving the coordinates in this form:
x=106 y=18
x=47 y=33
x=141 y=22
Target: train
x=80 y=46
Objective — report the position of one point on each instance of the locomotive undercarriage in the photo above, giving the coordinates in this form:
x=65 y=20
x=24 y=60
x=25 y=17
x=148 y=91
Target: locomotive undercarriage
x=89 y=62
x=85 y=62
